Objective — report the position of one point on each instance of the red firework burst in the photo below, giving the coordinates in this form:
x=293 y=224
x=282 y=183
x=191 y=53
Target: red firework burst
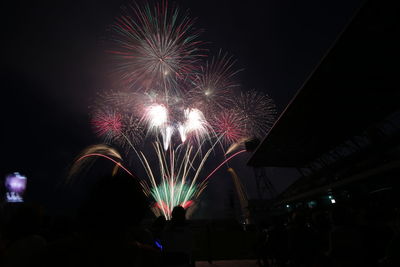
x=107 y=124
x=230 y=126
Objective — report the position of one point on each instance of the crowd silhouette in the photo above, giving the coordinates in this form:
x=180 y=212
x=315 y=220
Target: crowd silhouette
x=106 y=229
x=344 y=235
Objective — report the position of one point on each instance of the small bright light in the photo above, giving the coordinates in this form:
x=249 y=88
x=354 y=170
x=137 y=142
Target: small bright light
x=158 y=244
x=333 y=201
x=312 y=204
x=287 y=206
x=330 y=197
x=207 y=92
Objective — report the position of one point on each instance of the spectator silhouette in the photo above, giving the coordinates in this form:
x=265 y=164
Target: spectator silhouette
x=321 y=228
x=111 y=207
x=262 y=244
x=273 y=250
x=178 y=240
x=277 y=243
x=21 y=238
x=157 y=230
x=300 y=243
x=392 y=257
x=347 y=247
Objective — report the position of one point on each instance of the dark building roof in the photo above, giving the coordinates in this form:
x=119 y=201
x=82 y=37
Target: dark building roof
x=355 y=86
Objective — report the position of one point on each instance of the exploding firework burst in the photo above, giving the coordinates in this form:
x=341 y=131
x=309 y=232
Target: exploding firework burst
x=107 y=124
x=132 y=132
x=114 y=117
x=214 y=84
x=230 y=125
x=154 y=46
x=257 y=111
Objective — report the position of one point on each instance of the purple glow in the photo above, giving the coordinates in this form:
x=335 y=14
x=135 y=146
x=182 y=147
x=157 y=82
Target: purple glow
x=15 y=184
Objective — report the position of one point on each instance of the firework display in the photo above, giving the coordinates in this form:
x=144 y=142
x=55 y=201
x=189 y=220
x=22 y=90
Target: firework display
x=170 y=95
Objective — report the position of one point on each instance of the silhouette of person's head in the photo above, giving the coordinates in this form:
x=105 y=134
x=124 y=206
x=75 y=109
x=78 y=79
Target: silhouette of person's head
x=114 y=203
x=22 y=219
x=178 y=215
x=159 y=223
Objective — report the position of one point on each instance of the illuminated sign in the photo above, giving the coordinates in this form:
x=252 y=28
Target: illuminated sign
x=15 y=185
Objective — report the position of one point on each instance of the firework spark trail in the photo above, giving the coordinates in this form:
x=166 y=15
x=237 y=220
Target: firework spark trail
x=200 y=167
x=169 y=190
x=106 y=157
x=176 y=192
x=166 y=190
x=172 y=179
x=166 y=193
x=152 y=178
x=222 y=163
x=164 y=169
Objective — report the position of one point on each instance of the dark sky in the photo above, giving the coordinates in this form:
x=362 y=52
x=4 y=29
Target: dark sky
x=52 y=67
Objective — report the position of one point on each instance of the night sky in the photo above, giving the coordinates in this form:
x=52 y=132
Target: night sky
x=53 y=66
